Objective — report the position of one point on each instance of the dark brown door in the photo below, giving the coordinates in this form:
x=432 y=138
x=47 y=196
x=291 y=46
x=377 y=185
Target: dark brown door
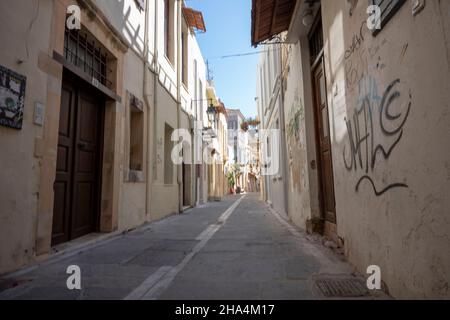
x=324 y=143
x=77 y=184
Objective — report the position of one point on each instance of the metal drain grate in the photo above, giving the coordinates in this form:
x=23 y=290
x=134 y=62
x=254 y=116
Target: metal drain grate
x=342 y=288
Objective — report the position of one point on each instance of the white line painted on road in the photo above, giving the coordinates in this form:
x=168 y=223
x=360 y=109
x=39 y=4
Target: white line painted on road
x=224 y=217
x=206 y=233
x=140 y=291
x=154 y=289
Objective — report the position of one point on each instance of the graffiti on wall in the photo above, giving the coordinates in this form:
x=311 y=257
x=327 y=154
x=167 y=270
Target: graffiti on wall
x=296 y=115
x=357 y=56
x=375 y=130
x=295 y=142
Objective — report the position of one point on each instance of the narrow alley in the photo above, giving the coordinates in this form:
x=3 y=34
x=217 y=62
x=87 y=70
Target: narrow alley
x=224 y=150
x=237 y=249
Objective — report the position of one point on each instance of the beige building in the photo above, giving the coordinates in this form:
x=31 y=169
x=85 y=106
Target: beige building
x=253 y=169
x=87 y=117
x=218 y=147
x=367 y=124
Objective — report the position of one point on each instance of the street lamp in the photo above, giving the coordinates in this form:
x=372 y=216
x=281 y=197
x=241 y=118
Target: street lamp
x=211 y=112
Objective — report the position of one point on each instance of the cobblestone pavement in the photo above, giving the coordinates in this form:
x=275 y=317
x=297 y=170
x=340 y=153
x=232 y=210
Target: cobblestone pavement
x=234 y=249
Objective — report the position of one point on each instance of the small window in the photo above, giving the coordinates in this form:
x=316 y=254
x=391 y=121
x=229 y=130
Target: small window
x=184 y=54
x=388 y=10
x=200 y=99
x=168 y=164
x=136 y=134
x=168 y=30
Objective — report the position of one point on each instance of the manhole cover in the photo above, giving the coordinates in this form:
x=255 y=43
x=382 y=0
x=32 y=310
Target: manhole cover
x=342 y=288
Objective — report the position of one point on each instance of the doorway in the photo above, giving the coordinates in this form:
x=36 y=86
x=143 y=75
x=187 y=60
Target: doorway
x=77 y=186
x=322 y=126
x=186 y=172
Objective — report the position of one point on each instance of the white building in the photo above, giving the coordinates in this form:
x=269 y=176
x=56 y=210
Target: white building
x=271 y=114
x=237 y=143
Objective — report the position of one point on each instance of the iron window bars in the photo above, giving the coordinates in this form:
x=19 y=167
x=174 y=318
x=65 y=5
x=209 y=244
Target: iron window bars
x=85 y=53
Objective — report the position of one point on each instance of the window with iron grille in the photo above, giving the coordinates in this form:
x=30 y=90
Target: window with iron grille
x=388 y=10
x=84 y=52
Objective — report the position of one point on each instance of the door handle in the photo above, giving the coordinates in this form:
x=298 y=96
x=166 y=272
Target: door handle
x=82 y=146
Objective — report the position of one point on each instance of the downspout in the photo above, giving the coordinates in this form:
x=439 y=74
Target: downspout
x=179 y=167
x=283 y=135
x=147 y=102
x=193 y=163
x=153 y=164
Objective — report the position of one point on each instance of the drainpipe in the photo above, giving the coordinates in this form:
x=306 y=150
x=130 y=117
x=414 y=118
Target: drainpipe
x=193 y=162
x=179 y=168
x=283 y=135
x=152 y=165
x=147 y=102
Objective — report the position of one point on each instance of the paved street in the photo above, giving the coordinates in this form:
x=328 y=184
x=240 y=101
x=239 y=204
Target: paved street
x=234 y=249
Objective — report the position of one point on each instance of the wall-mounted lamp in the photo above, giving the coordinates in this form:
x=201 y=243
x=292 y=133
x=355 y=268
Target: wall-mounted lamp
x=308 y=18
x=211 y=112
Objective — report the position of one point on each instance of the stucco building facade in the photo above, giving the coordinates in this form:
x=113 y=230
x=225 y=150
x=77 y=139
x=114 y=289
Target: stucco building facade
x=217 y=149
x=270 y=109
x=101 y=104
x=366 y=123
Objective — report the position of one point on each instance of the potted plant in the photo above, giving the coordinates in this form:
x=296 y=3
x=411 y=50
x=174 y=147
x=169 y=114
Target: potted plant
x=231 y=181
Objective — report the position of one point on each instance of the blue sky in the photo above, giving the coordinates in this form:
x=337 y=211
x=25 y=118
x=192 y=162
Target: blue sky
x=228 y=24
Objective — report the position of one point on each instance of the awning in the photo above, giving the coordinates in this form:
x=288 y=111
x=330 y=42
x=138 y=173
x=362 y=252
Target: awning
x=270 y=17
x=211 y=96
x=194 y=19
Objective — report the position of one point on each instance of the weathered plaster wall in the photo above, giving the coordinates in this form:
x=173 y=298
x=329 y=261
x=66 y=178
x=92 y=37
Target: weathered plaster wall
x=133 y=193
x=128 y=20
x=166 y=195
x=270 y=108
x=20 y=170
x=300 y=136
x=392 y=192
x=27 y=212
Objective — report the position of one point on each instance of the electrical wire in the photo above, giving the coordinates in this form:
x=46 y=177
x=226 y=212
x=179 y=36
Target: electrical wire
x=237 y=55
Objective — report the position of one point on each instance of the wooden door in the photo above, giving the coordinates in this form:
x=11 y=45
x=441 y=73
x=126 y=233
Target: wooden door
x=77 y=184
x=328 y=204
x=64 y=165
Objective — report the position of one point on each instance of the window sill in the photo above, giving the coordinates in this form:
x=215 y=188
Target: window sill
x=185 y=87
x=169 y=62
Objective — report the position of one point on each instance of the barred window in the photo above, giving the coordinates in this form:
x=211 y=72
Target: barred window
x=84 y=52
